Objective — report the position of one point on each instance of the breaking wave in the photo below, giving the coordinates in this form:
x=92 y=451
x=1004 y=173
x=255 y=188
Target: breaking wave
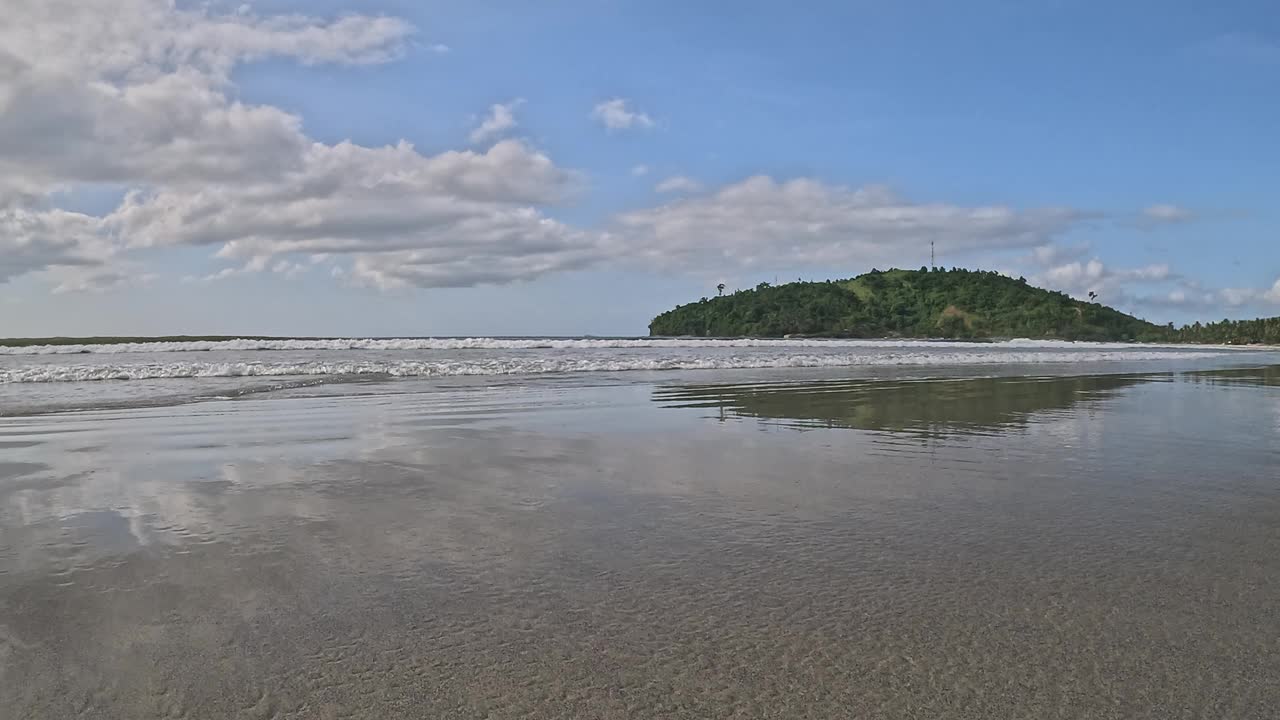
x=544 y=364
x=484 y=343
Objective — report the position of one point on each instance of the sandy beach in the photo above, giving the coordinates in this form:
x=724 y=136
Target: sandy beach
x=792 y=546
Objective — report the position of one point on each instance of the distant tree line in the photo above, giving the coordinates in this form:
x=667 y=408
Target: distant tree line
x=1230 y=332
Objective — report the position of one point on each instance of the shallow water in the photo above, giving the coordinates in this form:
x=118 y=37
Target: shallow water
x=765 y=543
x=38 y=379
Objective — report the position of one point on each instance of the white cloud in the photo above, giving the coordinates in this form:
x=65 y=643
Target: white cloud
x=679 y=184
x=139 y=94
x=34 y=240
x=1239 y=296
x=1056 y=254
x=1236 y=297
x=136 y=93
x=131 y=40
x=224 y=273
x=1075 y=277
x=1188 y=296
x=617 y=114
x=441 y=49
x=763 y=222
x=1273 y=295
x=640 y=170
x=289 y=269
x=1165 y=214
x=463 y=213
x=1113 y=285
x=176 y=128
x=1062 y=267
x=521 y=246
x=1124 y=288
x=1080 y=278
x=500 y=119
x=346 y=195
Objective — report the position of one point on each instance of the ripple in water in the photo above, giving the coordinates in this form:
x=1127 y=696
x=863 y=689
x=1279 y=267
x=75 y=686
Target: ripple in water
x=1091 y=547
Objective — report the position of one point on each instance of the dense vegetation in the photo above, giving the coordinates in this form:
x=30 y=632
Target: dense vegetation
x=930 y=303
x=1234 y=332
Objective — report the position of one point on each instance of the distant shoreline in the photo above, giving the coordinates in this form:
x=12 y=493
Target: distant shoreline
x=122 y=339
x=19 y=342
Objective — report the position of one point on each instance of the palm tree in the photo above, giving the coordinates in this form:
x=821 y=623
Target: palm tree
x=719 y=289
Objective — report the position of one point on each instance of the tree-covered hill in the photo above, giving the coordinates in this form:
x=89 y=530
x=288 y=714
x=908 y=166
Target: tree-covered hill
x=906 y=303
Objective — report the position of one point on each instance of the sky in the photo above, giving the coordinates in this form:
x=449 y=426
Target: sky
x=397 y=167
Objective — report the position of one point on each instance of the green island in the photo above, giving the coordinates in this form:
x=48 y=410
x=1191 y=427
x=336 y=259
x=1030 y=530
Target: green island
x=934 y=303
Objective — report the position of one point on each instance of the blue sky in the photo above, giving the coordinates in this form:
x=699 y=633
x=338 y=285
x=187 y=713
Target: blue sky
x=1122 y=148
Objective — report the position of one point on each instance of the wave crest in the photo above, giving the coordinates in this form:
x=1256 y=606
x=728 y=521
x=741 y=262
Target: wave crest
x=513 y=365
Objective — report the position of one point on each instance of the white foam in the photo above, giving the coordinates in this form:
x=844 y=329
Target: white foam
x=573 y=363
x=484 y=343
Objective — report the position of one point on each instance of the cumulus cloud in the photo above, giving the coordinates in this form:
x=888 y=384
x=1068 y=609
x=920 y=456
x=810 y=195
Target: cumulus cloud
x=34 y=240
x=761 y=221
x=458 y=210
x=500 y=119
x=1081 y=278
x=617 y=114
x=640 y=170
x=1155 y=286
x=178 y=127
x=136 y=93
x=346 y=196
x=520 y=246
x=679 y=184
x=139 y=94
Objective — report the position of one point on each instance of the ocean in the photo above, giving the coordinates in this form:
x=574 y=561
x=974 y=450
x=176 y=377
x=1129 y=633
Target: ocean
x=45 y=378
x=615 y=528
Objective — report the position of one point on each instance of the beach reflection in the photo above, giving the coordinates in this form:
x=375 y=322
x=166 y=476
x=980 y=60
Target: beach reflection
x=536 y=552
x=1265 y=376
x=933 y=406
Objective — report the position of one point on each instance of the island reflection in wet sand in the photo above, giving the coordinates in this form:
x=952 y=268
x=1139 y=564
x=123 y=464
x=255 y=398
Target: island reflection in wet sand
x=945 y=406
x=1095 y=547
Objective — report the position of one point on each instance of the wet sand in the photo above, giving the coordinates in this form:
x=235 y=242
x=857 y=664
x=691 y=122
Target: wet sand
x=1101 y=547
